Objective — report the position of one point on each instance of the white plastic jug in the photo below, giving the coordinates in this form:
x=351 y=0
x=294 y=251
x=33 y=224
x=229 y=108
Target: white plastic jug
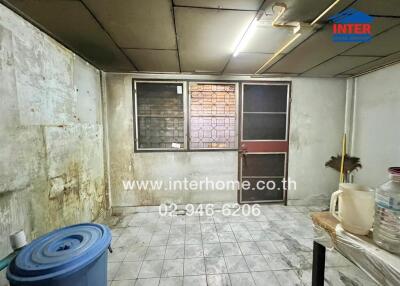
x=356 y=207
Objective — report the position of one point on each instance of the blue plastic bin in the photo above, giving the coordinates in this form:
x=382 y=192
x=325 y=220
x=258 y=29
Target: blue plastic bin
x=72 y=256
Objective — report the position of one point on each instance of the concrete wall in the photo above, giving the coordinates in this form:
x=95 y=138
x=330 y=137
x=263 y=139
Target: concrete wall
x=125 y=164
x=316 y=128
x=51 y=154
x=376 y=124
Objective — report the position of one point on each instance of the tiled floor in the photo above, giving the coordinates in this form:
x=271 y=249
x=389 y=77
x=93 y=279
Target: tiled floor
x=274 y=248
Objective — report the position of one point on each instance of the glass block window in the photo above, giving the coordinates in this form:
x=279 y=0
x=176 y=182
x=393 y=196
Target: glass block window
x=212 y=116
x=160 y=116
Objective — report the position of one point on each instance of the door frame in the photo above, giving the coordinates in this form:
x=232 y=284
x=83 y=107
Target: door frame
x=267 y=177
x=274 y=143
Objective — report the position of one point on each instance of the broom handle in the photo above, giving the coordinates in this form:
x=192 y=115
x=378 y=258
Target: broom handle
x=342 y=162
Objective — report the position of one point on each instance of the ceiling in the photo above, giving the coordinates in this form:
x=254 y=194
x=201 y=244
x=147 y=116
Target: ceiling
x=200 y=36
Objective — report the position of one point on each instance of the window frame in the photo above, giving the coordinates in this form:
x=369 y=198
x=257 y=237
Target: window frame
x=136 y=121
x=239 y=83
x=236 y=84
x=288 y=84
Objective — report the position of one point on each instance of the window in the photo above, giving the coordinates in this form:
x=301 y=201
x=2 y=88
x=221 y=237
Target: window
x=160 y=117
x=212 y=116
x=161 y=122
x=265 y=110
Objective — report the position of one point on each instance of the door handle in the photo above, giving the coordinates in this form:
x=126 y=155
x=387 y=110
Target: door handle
x=243 y=150
x=243 y=153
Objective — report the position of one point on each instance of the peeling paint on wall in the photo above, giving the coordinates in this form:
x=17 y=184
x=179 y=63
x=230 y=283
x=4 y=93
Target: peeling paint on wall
x=314 y=100
x=125 y=164
x=51 y=134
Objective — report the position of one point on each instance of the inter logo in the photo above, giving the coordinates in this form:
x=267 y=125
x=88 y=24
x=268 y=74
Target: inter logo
x=351 y=25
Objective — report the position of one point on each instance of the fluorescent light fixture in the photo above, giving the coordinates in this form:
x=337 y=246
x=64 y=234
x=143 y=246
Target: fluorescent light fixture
x=246 y=37
x=261 y=69
x=297 y=34
x=325 y=11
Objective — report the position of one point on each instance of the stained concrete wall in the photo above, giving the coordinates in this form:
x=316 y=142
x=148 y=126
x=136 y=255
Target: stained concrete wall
x=316 y=130
x=316 y=127
x=376 y=124
x=51 y=154
x=125 y=164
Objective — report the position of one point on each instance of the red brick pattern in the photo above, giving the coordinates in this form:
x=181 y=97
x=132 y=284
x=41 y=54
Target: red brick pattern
x=213 y=116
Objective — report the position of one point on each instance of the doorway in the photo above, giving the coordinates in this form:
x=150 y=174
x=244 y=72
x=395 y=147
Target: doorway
x=264 y=142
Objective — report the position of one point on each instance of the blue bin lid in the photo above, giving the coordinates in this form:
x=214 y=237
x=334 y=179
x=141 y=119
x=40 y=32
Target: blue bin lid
x=60 y=252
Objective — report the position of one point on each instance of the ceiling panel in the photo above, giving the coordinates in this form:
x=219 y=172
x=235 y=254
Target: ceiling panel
x=378 y=63
x=305 y=10
x=308 y=10
x=381 y=45
x=338 y=65
x=320 y=47
x=268 y=39
x=137 y=23
x=372 y=7
x=382 y=24
x=380 y=7
x=313 y=51
x=72 y=24
x=154 y=60
x=224 y=4
x=342 y=5
x=207 y=38
x=246 y=63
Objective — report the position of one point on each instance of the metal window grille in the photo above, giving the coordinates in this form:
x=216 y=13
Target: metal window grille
x=212 y=116
x=160 y=115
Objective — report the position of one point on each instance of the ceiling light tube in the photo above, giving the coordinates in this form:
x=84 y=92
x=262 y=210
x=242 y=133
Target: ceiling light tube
x=323 y=13
x=246 y=37
x=261 y=69
x=297 y=35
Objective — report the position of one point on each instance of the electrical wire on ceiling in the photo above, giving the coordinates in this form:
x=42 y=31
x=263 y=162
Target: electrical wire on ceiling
x=297 y=31
x=253 y=25
x=275 y=24
x=280 y=14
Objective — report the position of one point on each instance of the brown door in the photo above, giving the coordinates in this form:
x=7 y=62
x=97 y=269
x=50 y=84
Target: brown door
x=264 y=142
